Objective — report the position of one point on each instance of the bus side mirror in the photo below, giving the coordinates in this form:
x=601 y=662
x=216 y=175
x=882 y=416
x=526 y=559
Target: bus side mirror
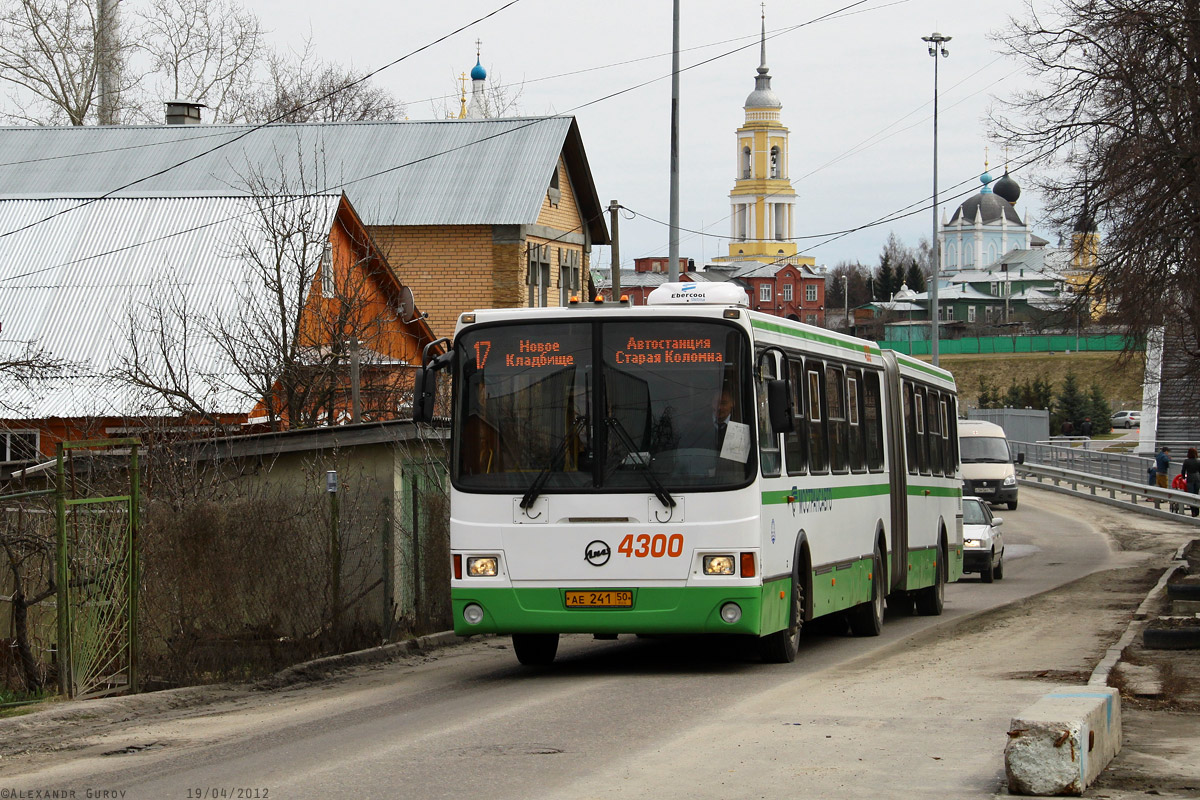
x=424 y=392
x=779 y=404
x=1020 y=458
x=425 y=381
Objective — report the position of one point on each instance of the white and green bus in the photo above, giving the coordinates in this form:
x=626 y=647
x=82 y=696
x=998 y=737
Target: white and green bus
x=691 y=466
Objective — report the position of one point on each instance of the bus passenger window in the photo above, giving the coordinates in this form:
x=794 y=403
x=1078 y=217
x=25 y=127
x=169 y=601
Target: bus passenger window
x=835 y=403
x=817 y=447
x=768 y=440
x=919 y=415
x=910 y=429
x=854 y=417
x=872 y=422
x=947 y=450
x=952 y=431
x=933 y=400
x=795 y=443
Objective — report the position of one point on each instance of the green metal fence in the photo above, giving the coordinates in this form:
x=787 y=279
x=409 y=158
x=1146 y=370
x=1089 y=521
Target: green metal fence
x=973 y=345
x=97 y=565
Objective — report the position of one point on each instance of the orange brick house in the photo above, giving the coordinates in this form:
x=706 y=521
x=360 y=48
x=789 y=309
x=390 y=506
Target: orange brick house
x=184 y=314
x=469 y=213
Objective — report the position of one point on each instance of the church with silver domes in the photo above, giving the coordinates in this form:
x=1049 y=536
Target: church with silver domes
x=985 y=228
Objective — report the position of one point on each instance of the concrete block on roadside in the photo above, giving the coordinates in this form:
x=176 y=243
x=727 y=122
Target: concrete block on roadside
x=1062 y=742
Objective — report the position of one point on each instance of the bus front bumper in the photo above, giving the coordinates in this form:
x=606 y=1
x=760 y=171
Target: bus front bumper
x=655 y=609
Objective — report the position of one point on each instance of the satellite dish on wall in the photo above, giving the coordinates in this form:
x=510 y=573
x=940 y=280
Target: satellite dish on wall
x=406 y=307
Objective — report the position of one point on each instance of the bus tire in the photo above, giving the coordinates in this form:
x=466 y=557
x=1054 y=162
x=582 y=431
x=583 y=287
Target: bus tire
x=932 y=599
x=535 y=649
x=780 y=647
x=866 y=619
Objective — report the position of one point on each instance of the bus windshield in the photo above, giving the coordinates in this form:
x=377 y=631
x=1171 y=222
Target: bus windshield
x=616 y=406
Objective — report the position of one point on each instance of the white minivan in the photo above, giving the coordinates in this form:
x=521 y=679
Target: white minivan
x=987 y=464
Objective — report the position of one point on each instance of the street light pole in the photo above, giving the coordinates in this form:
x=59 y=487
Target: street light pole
x=936 y=43
x=846 y=298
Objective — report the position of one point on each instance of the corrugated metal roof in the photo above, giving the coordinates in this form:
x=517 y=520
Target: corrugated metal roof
x=442 y=172
x=71 y=285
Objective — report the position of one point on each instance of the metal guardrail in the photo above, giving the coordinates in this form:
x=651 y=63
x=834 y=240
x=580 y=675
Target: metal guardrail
x=1084 y=459
x=1084 y=483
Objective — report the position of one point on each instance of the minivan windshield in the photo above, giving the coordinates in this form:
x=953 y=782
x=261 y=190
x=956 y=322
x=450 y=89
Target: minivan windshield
x=984 y=450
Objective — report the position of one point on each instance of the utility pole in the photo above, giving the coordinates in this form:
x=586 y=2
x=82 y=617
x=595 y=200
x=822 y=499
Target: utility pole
x=106 y=61
x=937 y=44
x=355 y=382
x=673 y=251
x=614 y=214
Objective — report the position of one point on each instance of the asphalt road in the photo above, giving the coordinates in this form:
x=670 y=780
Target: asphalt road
x=922 y=708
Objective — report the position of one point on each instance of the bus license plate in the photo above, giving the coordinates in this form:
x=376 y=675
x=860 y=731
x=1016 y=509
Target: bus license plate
x=984 y=490
x=621 y=598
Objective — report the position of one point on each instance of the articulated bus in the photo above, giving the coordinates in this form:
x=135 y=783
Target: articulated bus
x=691 y=466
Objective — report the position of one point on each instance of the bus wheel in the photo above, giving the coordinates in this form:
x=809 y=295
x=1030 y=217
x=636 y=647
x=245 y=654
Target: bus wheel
x=866 y=619
x=780 y=647
x=931 y=600
x=535 y=649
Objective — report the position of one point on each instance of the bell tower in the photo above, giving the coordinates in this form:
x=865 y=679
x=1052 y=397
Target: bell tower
x=763 y=201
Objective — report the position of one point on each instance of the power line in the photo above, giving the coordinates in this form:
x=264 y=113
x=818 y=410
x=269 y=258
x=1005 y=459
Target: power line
x=326 y=190
x=262 y=125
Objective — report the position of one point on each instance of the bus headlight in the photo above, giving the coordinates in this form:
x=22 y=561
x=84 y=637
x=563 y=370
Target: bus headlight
x=731 y=612
x=1010 y=480
x=482 y=567
x=719 y=565
x=473 y=613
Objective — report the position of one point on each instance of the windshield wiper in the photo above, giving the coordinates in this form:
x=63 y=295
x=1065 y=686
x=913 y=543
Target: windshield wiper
x=539 y=482
x=623 y=437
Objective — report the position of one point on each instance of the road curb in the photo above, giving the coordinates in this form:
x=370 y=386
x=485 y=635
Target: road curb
x=69 y=711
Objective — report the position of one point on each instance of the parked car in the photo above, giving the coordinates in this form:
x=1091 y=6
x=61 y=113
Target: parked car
x=983 y=541
x=1127 y=419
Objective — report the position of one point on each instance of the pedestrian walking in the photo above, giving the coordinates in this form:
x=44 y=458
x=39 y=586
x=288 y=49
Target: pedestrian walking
x=1191 y=474
x=1086 y=427
x=1162 y=467
x=1068 y=427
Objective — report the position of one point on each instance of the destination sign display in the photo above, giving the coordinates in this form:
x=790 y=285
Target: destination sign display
x=534 y=348
x=668 y=351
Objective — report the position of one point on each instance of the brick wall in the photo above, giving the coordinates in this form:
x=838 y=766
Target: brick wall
x=457 y=268
x=448 y=267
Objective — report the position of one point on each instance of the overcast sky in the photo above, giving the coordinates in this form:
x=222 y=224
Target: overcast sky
x=856 y=88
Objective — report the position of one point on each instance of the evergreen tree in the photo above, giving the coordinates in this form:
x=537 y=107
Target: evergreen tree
x=885 y=279
x=1099 y=410
x=915 y=278
x=1014 y=397
x=1073 y=402
x=989 y=397
x=1041 y=393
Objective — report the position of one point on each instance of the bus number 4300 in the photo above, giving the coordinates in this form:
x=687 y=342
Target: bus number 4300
x=655 y=546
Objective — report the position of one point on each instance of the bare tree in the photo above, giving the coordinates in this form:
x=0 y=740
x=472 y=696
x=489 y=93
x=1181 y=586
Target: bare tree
x=205 y=51
x=48 y=60
x=303 y=88
x=53 y=54
x=498 y=99
x=287 y=340
x=1116 y=119
x=26 y=539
